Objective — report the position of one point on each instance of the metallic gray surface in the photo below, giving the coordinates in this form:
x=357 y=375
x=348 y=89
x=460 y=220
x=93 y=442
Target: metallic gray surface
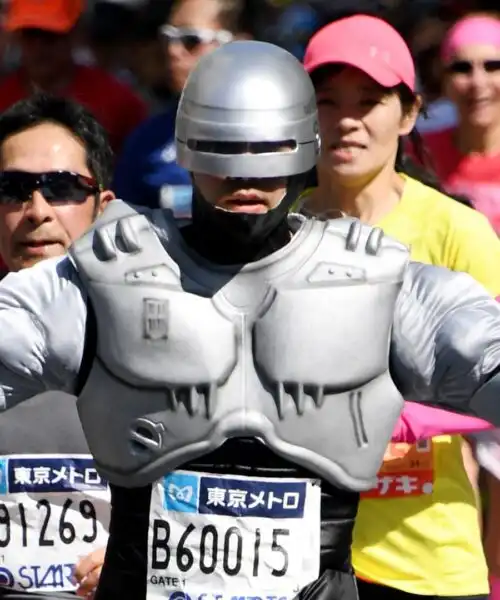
x=248 y=92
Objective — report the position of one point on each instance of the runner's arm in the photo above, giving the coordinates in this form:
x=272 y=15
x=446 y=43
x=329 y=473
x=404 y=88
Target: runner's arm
x=446 y=343
x=42 y=330
x=421 y=422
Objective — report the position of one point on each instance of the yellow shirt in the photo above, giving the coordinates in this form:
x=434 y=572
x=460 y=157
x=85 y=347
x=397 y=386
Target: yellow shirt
x=419 y=531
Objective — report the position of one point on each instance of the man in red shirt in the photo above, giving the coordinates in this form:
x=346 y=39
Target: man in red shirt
x=45 y=32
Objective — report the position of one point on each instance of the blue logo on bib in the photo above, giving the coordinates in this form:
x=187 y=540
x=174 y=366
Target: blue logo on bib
x=4 y=476
x=181 y=492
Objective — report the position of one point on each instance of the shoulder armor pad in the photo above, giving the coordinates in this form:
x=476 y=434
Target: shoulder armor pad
x=363 y=238
x=119 y=230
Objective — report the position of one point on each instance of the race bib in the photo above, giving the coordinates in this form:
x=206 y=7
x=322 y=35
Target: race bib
x=54 y=509
x=217 y=537
x=407 y=471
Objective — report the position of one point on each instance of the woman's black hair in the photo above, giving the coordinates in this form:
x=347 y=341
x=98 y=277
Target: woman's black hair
x=463 y=199
x=420 y=169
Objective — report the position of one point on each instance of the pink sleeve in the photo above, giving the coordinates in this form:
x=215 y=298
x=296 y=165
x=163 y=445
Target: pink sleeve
x=420 y=422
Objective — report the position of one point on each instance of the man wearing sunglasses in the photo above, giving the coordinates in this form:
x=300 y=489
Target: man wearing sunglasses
x=147 y=172
x=55 y=166
x=239 y=377
x=53 y=178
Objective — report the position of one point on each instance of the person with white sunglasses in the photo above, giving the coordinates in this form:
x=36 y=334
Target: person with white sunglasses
x=147 y=172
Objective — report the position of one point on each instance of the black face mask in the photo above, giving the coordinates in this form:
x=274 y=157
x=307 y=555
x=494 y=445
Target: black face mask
x=235 y=238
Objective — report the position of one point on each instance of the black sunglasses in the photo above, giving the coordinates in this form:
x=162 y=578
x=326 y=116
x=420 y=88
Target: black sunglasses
x=55 y=186
x=465 y=67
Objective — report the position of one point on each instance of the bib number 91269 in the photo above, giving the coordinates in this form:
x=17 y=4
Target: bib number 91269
x=63 y=530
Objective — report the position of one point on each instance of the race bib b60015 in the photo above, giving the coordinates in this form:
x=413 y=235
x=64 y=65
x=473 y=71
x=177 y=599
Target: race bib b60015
x=216 y=537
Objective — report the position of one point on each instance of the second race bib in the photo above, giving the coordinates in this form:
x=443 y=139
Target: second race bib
x=54 y=509
x=217 y=536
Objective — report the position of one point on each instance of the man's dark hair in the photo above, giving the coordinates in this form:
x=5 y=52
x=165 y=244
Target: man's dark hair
x=42 y=108
x=237 y=16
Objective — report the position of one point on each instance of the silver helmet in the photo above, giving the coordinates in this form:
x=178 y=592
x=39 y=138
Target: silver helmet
x=248 y=110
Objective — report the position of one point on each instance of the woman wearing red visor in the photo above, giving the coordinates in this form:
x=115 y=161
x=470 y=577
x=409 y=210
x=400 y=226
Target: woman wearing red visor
x=417 y=534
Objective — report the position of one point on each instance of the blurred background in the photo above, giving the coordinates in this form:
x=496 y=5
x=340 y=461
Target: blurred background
x=123 y=36
x=127 y=61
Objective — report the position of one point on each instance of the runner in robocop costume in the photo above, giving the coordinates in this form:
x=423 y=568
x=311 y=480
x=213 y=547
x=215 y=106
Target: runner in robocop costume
x=239 y=410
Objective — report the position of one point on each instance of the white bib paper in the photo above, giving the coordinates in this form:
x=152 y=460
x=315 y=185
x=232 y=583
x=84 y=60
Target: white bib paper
x=54 y=509
x=218 y=537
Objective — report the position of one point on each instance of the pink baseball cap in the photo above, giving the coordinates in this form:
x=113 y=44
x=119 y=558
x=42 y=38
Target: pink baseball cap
x=366 y=43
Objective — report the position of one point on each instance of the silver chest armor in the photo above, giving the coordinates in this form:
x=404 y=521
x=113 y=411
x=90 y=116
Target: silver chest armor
x=292 y=349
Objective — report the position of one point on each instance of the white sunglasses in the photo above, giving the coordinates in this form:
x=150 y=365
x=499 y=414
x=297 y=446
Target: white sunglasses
x=191 y=37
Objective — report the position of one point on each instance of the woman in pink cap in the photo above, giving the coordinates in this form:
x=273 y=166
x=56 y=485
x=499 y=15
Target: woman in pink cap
x=467 y=158
x=417 y=534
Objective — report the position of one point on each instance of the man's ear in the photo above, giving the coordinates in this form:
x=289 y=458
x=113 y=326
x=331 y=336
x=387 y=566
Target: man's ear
x=104 y=198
